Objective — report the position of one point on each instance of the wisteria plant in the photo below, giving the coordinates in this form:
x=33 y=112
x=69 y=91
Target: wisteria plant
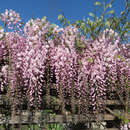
x=82 y=71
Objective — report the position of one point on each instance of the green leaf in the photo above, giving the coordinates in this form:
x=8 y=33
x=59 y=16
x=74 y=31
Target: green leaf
x=31 y=24
x=91 y=14
x=69 y=33
x=90 y=60
x=126 y=121
x=127 y=26
x=123 y=12
x=108 y=5
x=97 y=3
x=83 y=25
x=79 y=62
x=44 y=18
x=111 y=12
x=68 y=22
x=79 y=44
x=53 y=26
x=47 y=111
x=108 y=23
x=60 y=17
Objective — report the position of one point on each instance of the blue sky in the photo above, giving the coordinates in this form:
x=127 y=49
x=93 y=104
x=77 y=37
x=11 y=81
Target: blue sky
x=72 y=9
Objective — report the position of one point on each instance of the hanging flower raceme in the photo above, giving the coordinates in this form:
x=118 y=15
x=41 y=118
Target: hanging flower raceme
x=65 y=63
x=98 y=66
x=3 y=64
x=15 y=45
x=36 y=30
x=12 y=19
x=34 y=69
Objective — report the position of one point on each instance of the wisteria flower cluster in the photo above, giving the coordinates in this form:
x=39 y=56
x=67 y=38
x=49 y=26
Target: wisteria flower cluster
x=86 y=68
x=11 y=19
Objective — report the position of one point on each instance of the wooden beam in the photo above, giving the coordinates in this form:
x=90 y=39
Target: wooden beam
x=57 y=101
x=113 y=102
x=25 y=118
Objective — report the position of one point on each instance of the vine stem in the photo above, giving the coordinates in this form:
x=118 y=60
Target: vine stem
x=62 y=99
x=9 y=56
x=113 y=113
